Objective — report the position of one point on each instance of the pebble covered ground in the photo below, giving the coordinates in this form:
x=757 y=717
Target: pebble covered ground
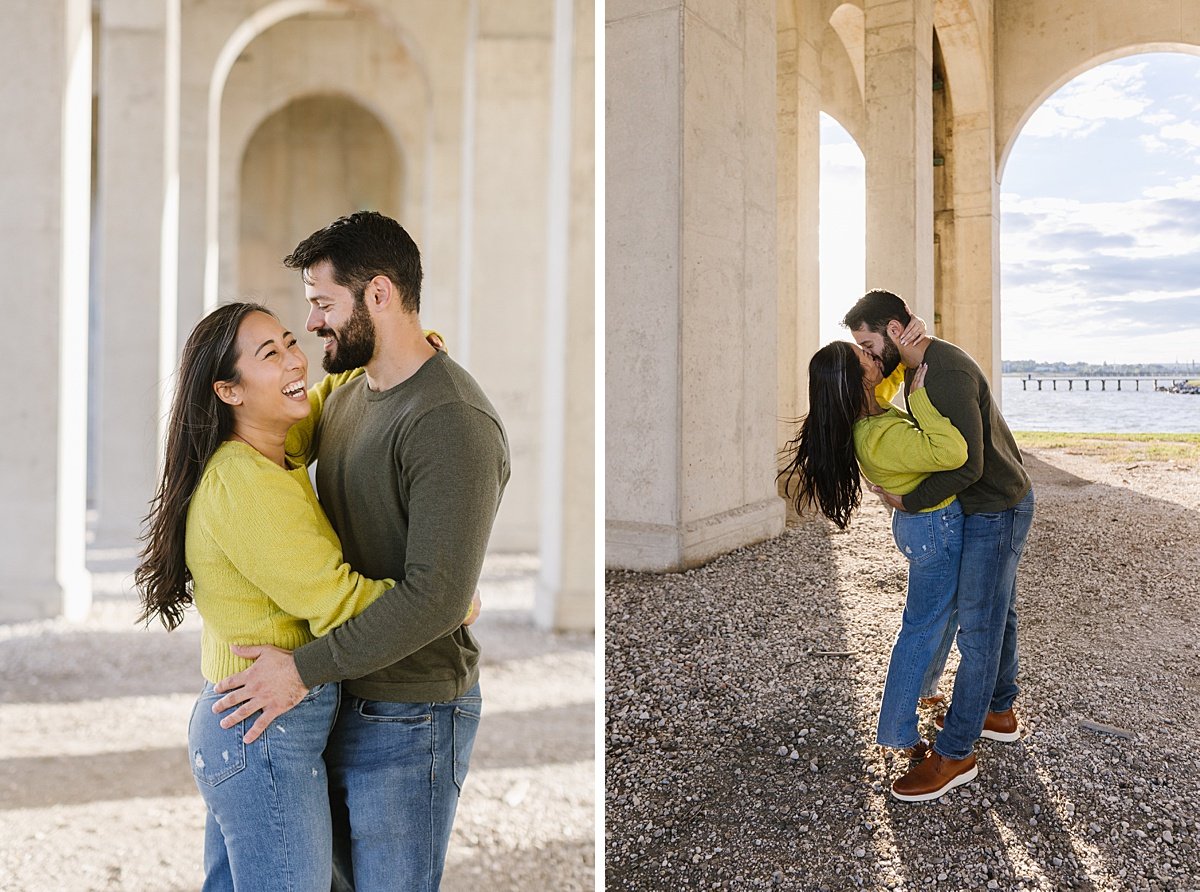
x=96 y=792
x=741 y=699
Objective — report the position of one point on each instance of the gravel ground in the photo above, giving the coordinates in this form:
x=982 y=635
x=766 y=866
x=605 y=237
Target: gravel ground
x=96 y=793
x=741 y=699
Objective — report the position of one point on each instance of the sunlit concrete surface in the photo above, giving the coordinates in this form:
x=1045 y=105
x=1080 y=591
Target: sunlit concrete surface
x=96 y=794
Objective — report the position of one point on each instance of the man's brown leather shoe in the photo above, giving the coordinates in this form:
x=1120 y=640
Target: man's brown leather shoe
x=936 y=775
x=935 y=700
x=1000 y=726
x=917 y=751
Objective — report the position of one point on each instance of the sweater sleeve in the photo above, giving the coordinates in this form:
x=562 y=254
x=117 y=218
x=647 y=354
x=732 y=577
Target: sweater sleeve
x=301 y=443
x=955 y=394
x=267 y=529
x=934 y=446
x=455 y=466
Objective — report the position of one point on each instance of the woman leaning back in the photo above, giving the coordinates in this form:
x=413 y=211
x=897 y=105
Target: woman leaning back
x=235 y=527
x=846 y=426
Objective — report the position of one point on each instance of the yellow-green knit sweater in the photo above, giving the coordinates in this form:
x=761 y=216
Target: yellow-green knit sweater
x=267 y=565
x=897 y=454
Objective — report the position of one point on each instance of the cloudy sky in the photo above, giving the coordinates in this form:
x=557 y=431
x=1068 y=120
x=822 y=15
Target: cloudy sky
x=1100 y=219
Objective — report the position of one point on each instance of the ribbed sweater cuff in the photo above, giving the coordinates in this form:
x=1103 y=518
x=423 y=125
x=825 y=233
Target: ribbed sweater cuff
x=316 y=664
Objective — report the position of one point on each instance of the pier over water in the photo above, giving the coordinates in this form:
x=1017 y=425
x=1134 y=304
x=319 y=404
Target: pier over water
x=1107 y=382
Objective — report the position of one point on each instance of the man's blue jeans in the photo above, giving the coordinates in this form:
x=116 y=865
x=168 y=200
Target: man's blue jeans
x=395 y=771
x=987 y=624
x=932 y=543
x=268 y=821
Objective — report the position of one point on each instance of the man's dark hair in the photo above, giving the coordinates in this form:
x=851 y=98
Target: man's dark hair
x=875 y=310
x=360 y=247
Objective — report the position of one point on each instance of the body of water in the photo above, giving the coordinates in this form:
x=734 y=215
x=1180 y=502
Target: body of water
x=1099 y=411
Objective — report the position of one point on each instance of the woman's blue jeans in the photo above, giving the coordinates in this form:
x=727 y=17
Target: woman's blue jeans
x=268 y=822
x=932 y=543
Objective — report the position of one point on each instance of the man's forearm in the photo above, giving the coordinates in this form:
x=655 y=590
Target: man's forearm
x=399 y=624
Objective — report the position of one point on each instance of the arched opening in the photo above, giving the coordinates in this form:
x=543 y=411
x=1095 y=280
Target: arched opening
x=842 y=228
x=314 y=160
x=1098 y=245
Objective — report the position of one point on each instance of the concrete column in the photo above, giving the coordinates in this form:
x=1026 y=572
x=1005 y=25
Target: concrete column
x=566 y=591
x=45 y=193
x=970 y=269
x=798 y=175
x=512 y=90
x=130 y=215
x=195 y=72
x=899 y=149
x=691 y=310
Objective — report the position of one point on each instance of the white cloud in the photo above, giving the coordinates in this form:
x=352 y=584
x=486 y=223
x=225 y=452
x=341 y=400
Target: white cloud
x=1185 y=131
x=1158 y=118
x=1105 y=93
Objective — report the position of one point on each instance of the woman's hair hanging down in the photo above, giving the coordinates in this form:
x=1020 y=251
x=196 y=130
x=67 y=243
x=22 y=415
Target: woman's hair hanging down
x=823 y=466
x=199 y=423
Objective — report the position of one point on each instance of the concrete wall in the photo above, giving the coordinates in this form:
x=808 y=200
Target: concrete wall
x=691 y=306
x=230 y=129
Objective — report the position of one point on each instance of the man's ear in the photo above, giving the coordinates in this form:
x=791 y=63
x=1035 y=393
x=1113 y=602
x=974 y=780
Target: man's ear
x=894 y=329
x=227 y=393
x=380 y=293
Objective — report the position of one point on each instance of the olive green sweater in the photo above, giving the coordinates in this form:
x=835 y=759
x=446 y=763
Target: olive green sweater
x=992 y=478
x=411 y=479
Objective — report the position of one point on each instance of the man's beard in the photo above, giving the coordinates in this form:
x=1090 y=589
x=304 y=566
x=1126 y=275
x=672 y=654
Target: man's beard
x=354 y=344
x=890 y=357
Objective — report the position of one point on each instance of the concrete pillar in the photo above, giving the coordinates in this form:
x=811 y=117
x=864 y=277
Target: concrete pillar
x=566 y=591
x=511 y=97
x=899 y=149
x=970 y=263
x=798 y=175
x=131 y=192
x=45 y=196
x=690 y=215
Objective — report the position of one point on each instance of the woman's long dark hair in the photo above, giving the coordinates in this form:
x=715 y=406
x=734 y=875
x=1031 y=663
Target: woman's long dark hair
x=822 y=452
x=199 y=423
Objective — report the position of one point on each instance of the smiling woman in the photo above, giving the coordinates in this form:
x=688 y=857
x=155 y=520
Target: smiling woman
x=237 y=527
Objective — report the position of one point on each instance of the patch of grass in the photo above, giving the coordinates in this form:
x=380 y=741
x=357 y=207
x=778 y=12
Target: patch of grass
x=1117 y=448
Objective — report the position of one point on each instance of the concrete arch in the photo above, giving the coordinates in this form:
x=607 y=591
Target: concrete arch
x=1008 y=140
x=1042 y=44
x=277 y=69
x=239 y=142
x=843 y=43
x=348 y=160
x=250 y=29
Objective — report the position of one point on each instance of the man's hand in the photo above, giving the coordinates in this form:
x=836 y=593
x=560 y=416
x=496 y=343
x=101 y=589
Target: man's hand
x=271 y=686
x=891 y=498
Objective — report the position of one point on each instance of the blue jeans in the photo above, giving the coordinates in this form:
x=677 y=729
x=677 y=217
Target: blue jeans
x=395 y=772
x=937 y=665
x=268 y=824
x=932 y=543
x=987 y=620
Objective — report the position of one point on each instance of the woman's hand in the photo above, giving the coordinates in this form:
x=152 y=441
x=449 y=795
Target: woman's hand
x=918 y=378
x=476 y=606
x=914 y=332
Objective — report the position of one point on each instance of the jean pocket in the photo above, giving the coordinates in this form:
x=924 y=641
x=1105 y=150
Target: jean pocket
x=216 y=753
x=395 y=713
x=466 y=724
x=312 y=695
x=915 y=537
